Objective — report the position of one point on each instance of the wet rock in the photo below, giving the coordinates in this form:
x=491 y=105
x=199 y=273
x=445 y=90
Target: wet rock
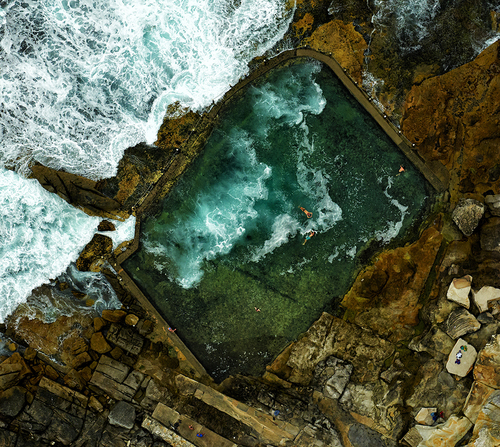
x=99 y=247
x=461 y=322
x=461 y=358
x=490 y=235
x=459 y=291
x=131 y=319
x=99 y=344
x=106 y=225
x=467 y=215
x=484 y=296
x=487 y=368
x=99 y=323
x=126 y=338
x=426 y=416
x=122 y=415
x=331 y=377
x=385 y=296
x=12 y=401
x=435 y=342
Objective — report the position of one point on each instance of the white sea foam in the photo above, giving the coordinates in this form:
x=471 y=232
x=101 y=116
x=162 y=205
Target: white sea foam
x=40 y=235
x=81 y=80
x=392 y=227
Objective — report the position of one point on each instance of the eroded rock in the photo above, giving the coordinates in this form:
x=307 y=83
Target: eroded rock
x=461 y=322
x=487 y=368
x=490 y=235
x=467 y=215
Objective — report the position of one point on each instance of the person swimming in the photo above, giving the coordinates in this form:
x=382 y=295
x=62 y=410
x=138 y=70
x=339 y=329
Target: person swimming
x=309 y=236
x=308 y=213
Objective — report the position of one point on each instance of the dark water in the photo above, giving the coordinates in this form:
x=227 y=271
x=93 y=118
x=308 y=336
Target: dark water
x=230 y=236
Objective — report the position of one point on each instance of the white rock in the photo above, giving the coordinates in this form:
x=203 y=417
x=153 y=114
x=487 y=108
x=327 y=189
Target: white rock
x=459 y=291
x=424 y=416
x=465 y=354
x=484 y=296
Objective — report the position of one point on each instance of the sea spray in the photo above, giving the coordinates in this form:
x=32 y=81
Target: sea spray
x=40 y=234
x=82 y=81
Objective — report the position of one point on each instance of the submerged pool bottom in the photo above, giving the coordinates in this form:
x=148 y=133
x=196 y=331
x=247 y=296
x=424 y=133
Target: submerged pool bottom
x=225 y=260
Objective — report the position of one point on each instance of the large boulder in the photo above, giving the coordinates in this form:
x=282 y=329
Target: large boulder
x=90 y=258
x=487 y=368
x=467 y=215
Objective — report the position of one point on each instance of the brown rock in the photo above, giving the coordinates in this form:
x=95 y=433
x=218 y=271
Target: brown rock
x=344 y=43
x=29 y=354
x=100 y=246
x=487 y=426
x=106 y=225
x=99 y=344
x=81 y=359
x=461 y=322
x=487 y=368
x=12 y=347
x=51 y=373
x=86 y=374
x=467 y=215
x=478 y=395
x=332 y=336
x=385 y=296
x=74 y=380
x=116 y=352
x=453 y=120
x=99 y=323
x=114 y=316
x=131 y=319
x=449 y=433
x=490 y=235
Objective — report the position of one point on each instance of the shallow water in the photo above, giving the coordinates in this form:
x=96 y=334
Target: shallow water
x=230 y=235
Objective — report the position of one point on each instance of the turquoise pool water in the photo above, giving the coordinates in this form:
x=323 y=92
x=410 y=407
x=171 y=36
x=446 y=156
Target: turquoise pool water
x=230 y=236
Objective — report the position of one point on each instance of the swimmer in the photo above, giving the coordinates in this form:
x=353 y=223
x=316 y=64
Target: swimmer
x=171 y=330
x=308 y=213
x=257 y=309
x=401 y=170
x=309 y=236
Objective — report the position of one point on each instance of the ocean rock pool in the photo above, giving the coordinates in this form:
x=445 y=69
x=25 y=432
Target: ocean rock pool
x=224 y=260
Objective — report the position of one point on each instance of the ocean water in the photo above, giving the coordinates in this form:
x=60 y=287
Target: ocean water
x=80 y=82
x=230 y=236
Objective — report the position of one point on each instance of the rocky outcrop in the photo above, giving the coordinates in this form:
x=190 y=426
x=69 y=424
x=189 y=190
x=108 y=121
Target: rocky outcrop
x=385 y=296
x=467 y=215
x=453 y=120
x=92 y=257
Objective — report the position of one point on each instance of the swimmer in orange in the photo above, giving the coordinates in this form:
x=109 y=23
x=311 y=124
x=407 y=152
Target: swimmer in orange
x=309 y=236
x=401 y=170
x=308 y=214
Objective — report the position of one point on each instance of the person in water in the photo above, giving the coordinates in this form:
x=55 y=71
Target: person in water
x=308 y=213
x=309 y=236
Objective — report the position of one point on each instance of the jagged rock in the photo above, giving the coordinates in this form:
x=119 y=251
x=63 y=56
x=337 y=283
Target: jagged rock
x=461 y=358
x=99 y=344
x=485 y=318
x=12 y=401
x=459 y=291
x=379 y=402
x=12 y=370
x=487 y=425
x=125 y=338
x=493 y=203
x=425 y=416
x=106 y=225
x=467 y=215
x=478 y=395
x=362 y=436
x=331 y=377
x=461 y=322
x=434 y=387
x=487 y=368
x=99 y=323
x=479 y=338
x=436 y=342
x=413 y=438
x=100 y=246
x=385 y=296
x=484 y=296
x=396 y=370
x=155 y=393
x=490 y=235
x=333 y=336
x=122 y=415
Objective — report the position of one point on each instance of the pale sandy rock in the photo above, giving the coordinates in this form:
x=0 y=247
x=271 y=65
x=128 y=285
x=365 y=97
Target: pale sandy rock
x=459 y=291
x=478 y=395
x=461 y=358
x=493 y=203
x=484 y=296
x=467 y=215
x=461 y=322
x=488 y=421
x=487 y=369
x=449 y=433
x=425 y=416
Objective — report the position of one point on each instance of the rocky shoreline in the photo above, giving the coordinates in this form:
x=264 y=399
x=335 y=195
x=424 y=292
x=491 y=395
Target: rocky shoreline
x=415 y=360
